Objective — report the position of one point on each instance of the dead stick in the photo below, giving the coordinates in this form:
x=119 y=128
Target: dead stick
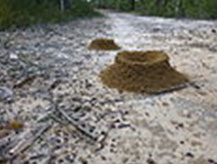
x=20 y=148
x=77 y=126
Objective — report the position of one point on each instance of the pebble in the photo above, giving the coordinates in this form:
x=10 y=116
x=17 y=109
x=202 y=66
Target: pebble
x=6 y=94
x=189 y=154
x=212 y=161
x=4 y=133
x=150 y=161
x=13 y=56
x=213 y=30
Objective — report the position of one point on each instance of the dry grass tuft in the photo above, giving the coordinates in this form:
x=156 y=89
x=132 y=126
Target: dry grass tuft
x=15 y=125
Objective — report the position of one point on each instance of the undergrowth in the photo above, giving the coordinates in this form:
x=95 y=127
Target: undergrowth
x=16 y=13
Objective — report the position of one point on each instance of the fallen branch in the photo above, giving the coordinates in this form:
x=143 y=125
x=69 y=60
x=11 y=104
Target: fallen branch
x=24 y=81
x=77 y=125
x=25 y=144
x=172 y=89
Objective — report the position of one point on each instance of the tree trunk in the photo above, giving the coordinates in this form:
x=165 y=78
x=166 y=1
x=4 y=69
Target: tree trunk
x=132 y=4
x=62 y=6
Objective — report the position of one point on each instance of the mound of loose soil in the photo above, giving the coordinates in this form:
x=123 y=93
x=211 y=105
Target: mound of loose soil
x=144 y=72
x=103 y=44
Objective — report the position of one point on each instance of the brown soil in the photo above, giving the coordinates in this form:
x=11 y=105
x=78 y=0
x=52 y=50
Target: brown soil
x=144 y=72
x=103 y=44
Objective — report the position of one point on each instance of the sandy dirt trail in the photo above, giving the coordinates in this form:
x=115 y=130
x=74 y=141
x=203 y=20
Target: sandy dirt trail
x=172 y=128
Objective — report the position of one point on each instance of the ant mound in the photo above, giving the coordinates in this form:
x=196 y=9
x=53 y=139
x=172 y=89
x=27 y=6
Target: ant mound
x=103 y=44
x=142 y=72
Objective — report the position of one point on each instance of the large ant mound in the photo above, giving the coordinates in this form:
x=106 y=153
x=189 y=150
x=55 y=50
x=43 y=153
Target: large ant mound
x=103 y=44
x=144 y=72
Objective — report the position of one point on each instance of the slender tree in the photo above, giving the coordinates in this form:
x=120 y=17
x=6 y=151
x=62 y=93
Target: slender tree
x=133 y=4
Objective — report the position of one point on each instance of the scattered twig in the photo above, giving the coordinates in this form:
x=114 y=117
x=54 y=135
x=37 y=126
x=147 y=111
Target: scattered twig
x=24 y=81
x=102 y=140
x=10 y=38
x=59 y=33
x=56 y=119
x=172 y=89
x=55 y=84
x=25 y=144
x=194 y=85
x=77 y=126
x=7 y=143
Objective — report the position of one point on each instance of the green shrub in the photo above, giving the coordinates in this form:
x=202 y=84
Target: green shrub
x=202 y=9
x=22 y=13
x=210 y=8
x=124 y=5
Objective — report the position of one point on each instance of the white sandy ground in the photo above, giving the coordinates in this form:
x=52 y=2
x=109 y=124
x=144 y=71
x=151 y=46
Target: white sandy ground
x=172 y=128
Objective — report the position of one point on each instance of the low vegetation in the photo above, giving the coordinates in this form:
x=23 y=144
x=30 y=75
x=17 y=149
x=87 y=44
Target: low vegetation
x=16 y=13
x=200 y=9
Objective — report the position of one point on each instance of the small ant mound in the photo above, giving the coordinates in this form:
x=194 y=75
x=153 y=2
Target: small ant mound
x=103 y=44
